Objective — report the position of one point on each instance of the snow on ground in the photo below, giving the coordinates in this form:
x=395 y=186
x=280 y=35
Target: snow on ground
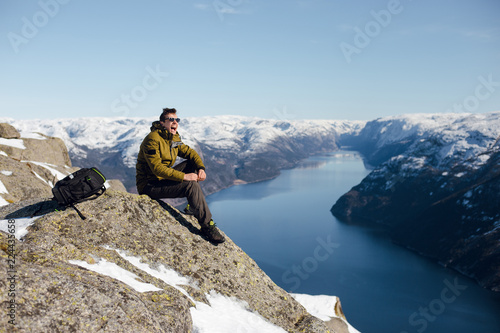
x=228 y=315
x=111 y=269
x=20 y=225
x=16 y=143
x=43 y=180
x=223 y=314
x=3 y=202
x=320 y=306
x=33 y=135
x=3 y=189
x=169 y=276
x=51 y=167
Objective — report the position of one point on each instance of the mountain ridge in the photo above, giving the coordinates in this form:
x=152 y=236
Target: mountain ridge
x=435 y=185
x=241 y=149
x=417 y=161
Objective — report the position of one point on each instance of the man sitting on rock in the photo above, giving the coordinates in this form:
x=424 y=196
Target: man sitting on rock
x=157 y=177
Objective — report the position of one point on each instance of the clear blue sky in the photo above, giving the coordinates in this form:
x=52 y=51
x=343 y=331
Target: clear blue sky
x=294 y=59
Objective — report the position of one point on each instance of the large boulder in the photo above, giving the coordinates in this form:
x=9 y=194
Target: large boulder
x=26 y=180
x=8 y=131
x=143 y=237
x=29 y=167
x=37 y=148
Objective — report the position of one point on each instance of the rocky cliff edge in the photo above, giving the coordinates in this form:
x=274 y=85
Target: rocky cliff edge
x=164 y=271
x=134 y=265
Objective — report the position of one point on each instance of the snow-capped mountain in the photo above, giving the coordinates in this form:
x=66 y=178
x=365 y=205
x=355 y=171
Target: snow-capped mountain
x=435 y=178
x=234 y=148
x=436 y=184
x=443 y=140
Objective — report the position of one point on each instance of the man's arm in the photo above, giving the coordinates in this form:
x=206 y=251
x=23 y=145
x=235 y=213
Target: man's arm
x=151 y=151
x=190 y=154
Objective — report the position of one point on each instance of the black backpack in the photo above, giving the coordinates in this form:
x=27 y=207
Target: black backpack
x=84 y=184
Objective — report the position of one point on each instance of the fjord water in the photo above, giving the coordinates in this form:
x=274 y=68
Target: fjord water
x=286 y=226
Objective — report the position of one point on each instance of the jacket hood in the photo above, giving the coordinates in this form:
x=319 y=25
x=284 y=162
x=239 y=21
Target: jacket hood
x=156 y=126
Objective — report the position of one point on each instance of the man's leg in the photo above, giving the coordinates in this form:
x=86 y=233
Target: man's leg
x=196 y=199
x=186 y=167
x=188 y=189
x=198 y=206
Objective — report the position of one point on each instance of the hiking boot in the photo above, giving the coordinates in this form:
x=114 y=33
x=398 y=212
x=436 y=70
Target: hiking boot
x=188 y=210
x=212 y=233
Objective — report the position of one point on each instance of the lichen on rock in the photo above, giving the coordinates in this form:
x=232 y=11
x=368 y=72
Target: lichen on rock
x=57 y=295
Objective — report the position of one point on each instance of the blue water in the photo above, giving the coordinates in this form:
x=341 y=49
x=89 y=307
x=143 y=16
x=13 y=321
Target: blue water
x=286 y=226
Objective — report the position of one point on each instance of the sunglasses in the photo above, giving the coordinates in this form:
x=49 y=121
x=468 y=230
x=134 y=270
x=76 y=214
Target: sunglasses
x=173 y=119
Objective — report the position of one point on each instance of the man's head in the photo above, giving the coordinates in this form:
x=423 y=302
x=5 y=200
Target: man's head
x=169 y=120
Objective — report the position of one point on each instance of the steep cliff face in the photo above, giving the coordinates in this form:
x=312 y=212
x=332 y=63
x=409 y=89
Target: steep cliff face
x=462 y=230
x=61 y=286
x=435 y=187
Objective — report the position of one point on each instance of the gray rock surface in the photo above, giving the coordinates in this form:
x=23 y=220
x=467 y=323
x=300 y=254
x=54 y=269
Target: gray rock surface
x=28 y=166
x=55 y=295
x=21 y=182
x=45 y=150
x=8 y=131
x=115 y=184
x=31 y=172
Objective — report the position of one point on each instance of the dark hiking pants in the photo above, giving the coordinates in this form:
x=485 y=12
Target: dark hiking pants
x=191 y=190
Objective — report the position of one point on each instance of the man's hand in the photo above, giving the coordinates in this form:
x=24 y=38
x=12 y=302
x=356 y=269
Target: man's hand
x=201 y=175
x=192 y=177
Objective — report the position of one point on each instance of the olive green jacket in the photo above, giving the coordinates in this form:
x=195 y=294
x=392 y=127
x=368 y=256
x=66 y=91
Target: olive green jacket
x=157 y=156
